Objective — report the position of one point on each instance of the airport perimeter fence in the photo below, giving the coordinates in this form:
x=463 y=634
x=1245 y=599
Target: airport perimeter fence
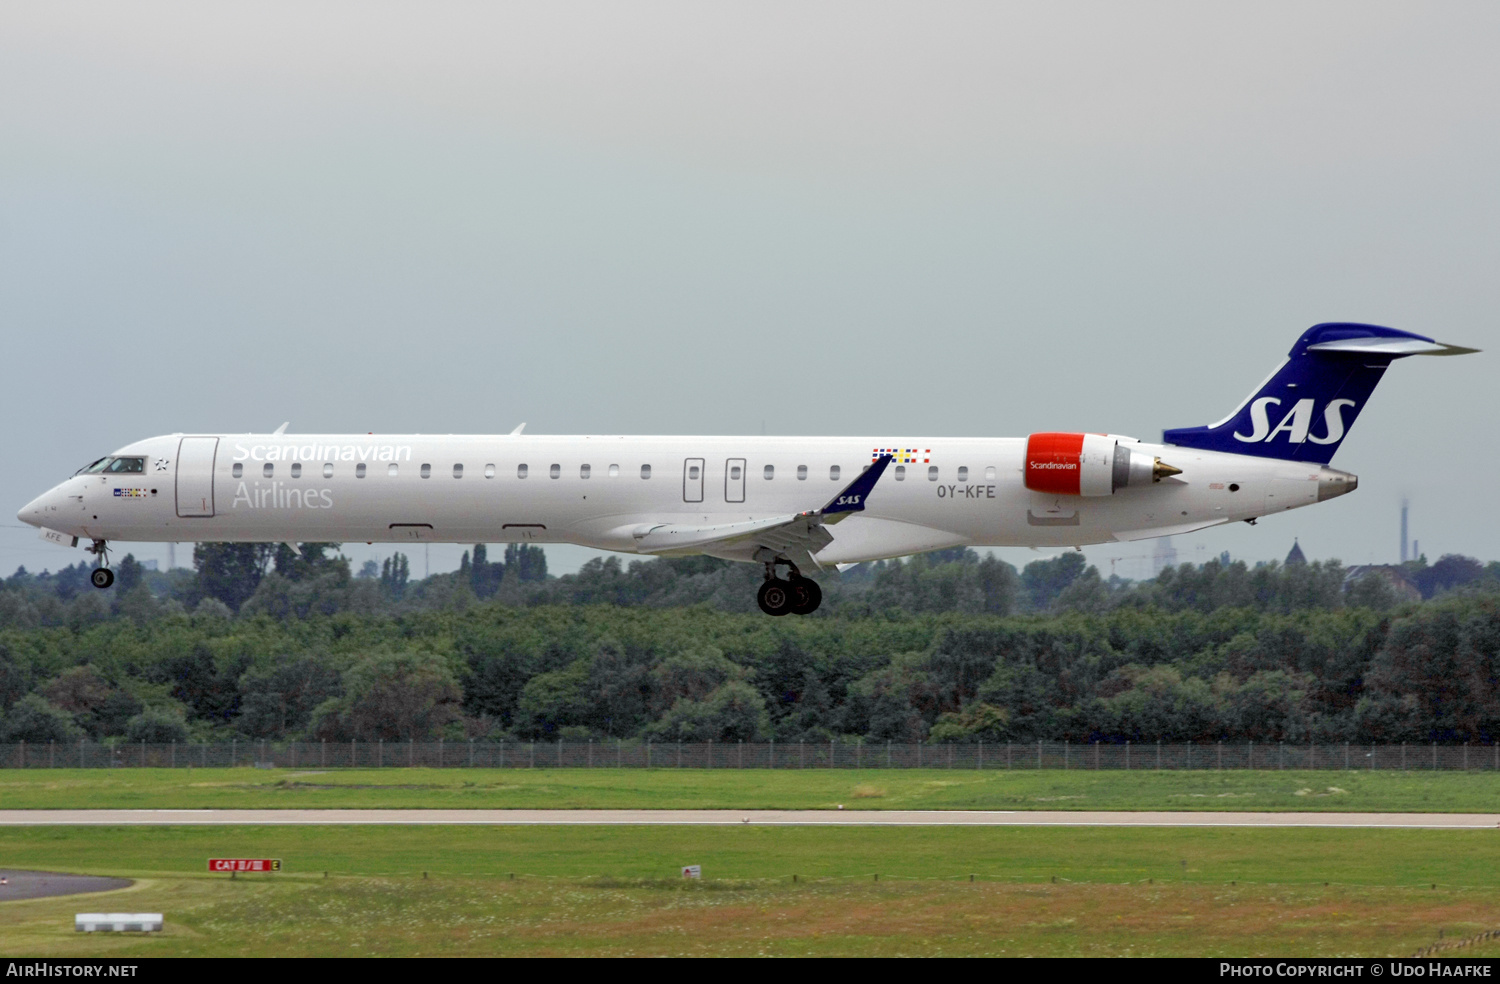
x=747 y=755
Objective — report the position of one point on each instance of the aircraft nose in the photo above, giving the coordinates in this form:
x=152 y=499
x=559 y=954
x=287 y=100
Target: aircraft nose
x=31 y=513
x=35 y=512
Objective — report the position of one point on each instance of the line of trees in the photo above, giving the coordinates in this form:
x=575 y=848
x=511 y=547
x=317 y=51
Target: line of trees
x=946 y=647
x=254 y=579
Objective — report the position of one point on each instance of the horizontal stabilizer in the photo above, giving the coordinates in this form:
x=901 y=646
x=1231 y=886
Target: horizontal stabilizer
x=1395 y=347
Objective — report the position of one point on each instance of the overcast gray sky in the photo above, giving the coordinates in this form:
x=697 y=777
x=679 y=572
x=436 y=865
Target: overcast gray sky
x=820 y=218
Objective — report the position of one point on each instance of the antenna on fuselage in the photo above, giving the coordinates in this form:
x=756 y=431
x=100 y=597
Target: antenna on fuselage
x=281 y=429
x=514 y=433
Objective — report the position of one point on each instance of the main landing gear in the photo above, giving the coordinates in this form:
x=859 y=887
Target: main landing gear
x=102 y=577
x=796 y=595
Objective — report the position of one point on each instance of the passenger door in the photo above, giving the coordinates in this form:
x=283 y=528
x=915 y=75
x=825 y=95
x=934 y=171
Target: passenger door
x=195 y=476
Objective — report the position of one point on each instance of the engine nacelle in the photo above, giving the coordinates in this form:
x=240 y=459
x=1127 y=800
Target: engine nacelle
x=1088 y=464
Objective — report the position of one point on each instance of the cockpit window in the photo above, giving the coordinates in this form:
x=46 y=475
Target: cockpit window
x=115 y=466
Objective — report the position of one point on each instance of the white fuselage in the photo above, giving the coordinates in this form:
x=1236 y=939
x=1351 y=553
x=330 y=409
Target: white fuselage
x=591 y=491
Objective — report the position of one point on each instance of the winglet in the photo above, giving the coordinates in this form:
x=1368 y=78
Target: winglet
x=852 y=499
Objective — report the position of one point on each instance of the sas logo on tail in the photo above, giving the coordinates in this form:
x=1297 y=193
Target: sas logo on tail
x=1297 y=422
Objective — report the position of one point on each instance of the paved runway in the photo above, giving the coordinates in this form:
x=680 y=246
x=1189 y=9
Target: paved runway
x=803 y=818
x=45 y=884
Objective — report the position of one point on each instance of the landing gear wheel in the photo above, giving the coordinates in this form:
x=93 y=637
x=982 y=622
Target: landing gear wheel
x=102 y=577
x=806 y=596
x=775 y=597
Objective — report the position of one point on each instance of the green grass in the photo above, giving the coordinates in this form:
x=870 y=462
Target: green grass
x=880 y=789
x=1090 y=854
x=614 y=890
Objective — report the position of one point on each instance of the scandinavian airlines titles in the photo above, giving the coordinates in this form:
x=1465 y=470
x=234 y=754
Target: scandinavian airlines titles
x=323 y=452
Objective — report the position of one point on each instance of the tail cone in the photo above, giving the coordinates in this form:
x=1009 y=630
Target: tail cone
x=1332 y=482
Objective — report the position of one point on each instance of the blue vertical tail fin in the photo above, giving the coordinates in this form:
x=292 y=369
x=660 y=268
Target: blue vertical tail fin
x=1305 y=408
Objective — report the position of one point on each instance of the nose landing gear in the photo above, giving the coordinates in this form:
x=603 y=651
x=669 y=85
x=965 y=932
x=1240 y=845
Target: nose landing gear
x=795 y=595
x=102 y=577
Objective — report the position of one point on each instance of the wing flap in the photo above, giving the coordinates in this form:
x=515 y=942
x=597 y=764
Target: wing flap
x=1127 y=536
x=672 y=536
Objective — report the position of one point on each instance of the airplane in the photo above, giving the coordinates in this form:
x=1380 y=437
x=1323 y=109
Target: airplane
x=807 y=504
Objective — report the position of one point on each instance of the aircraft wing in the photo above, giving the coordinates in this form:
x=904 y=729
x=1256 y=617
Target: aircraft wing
x=798 y=536
x=1127 y=536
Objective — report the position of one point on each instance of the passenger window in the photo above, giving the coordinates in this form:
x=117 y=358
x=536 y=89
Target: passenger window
x=520 y=471
x=584 y=470
x=963 y=473
x=801 y=473
x=238 y=470
x=833 y=473
x=900 y=473
x=770 y=472
x=932 y=474
x=555 y=471
x=614 y=471
x=693 y=473
x=645 y=471
x=426 y=470
x=327 y=469
x=458 y=471
x=359 y=470
x=989 y=473
x=296 y=469
x=734 y=473
x=489 y=471
x=392 y=470
x=268 y=469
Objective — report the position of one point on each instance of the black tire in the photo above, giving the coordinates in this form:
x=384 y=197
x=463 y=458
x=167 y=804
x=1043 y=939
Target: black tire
x=102 y=577
x=806 y=596
x=775 y=597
